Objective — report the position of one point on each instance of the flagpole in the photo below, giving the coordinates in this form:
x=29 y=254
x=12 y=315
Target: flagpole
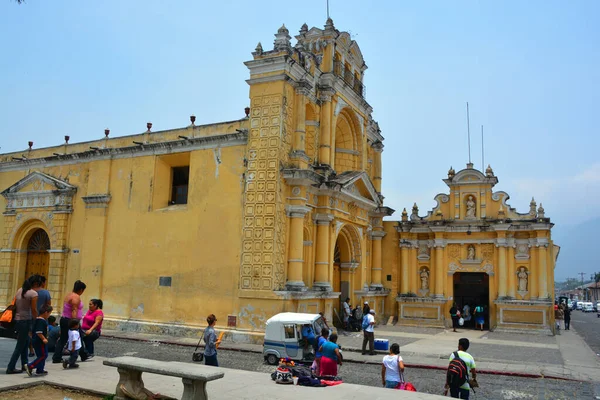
x=468 y=132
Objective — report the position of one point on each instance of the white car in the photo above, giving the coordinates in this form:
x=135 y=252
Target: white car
x=588 y=307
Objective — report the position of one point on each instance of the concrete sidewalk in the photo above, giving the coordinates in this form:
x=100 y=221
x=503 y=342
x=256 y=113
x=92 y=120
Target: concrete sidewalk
x=564 y=356
x=93 y=375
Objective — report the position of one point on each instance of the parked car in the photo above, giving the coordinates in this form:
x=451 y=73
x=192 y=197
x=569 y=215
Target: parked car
x=580 y=305
x=588 y=306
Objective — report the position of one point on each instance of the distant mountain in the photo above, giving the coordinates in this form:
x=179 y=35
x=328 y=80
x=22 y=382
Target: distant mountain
x=579 y=247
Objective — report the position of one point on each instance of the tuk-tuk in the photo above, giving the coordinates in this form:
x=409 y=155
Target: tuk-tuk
x=283 y=336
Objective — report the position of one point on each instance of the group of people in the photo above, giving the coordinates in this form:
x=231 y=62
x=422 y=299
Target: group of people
x=468 y=314
x=562 y=312
x=35 y=327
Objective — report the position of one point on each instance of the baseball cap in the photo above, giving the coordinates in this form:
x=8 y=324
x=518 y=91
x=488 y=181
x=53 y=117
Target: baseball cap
x=366 y=302
x=372 y=312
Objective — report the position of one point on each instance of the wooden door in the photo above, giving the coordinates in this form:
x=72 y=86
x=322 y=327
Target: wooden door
x=38 y=257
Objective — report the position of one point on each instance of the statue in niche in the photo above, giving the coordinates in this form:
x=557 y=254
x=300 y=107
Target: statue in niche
x=470 y=207
x=471 y=252
x=424 y=279
x=523 y=276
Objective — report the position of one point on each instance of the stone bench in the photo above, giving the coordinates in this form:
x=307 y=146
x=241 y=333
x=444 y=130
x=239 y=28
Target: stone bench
x=131 y=385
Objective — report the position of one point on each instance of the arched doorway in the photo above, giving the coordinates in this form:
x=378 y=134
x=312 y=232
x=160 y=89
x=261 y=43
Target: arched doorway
x=38 y=257
x=346 y=259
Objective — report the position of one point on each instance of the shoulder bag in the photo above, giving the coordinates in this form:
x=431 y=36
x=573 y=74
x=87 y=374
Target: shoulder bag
x=198 y=356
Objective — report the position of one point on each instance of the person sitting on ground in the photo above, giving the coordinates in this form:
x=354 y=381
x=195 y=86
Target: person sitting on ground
x=53 y=333
x=392 y=368
x=331 y=357
x=92 y=325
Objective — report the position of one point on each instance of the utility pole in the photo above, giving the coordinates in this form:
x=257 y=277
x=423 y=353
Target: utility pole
x=582 y=292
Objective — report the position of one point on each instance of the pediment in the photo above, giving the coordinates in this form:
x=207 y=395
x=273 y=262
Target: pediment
x=358 y=185
x=39 y=190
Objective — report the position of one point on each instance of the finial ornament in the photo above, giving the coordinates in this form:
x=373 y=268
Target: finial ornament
x=404 y=215
x=541 y=211
x=303 y=29
x=532 y=206
x=489 y=172
x=329 y=24
x=258 y=50
x=415 y=213
x=282 y=39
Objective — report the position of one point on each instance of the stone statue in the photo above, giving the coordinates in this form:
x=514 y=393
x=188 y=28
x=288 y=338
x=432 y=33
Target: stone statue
x=424 y=279
x=523 y=277
x=470 y=207
x=471 y=252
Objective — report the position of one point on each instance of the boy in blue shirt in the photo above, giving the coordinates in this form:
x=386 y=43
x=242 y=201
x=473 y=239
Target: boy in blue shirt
x=39 y=341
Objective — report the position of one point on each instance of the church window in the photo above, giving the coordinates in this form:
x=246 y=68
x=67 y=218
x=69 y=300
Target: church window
x=180 y=183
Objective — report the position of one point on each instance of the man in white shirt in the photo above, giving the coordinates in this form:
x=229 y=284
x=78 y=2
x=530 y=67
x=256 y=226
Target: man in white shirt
x=346 y=313
x=369 y=334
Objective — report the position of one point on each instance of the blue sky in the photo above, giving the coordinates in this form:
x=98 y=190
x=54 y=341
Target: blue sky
x=529 y=70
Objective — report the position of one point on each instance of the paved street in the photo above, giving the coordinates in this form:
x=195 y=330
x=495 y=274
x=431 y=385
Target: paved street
x=426 y=380
x=588 y=327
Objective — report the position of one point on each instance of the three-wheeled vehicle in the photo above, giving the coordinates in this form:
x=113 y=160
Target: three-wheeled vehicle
x=283 y=336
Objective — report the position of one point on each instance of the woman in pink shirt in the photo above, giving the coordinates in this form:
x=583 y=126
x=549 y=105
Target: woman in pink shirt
x=92 y=325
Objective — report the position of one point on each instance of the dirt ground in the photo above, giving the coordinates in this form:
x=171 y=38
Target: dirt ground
x=47 y=393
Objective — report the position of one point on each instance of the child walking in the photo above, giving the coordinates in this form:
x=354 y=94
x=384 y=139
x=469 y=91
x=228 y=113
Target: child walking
x=39 y=341
x=74 y=344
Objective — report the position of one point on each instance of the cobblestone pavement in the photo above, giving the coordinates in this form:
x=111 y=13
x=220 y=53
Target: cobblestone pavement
x=587 y=326
x=426 y=380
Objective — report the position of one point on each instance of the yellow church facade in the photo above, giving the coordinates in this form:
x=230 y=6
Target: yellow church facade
x=280 y=210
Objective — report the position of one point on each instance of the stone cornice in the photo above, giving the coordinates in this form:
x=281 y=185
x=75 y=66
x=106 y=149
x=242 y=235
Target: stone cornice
x=146 y=149
x=96 y=200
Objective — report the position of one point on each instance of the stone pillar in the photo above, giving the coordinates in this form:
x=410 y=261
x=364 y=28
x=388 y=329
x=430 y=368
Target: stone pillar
x=376 y=269
x=296 y=248
x=299 y=144
x=377 y=150
x=325 y=142
x=511 y=271
x=440 y=274
x=502 y=278
x=322 y=252
x=404 y=286
x=412 y=268
x=533 y=271
x=542 y=272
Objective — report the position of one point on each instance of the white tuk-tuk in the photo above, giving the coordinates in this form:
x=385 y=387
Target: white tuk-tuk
x=283 y=336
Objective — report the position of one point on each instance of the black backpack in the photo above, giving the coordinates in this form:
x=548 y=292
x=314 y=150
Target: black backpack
x=457 y=372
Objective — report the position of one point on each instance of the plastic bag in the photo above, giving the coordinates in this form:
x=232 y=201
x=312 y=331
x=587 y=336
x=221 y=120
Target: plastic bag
x=461 y=321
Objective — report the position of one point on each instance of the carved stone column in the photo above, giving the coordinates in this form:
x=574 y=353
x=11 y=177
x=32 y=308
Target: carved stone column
x=377 y=150
x=542 y=271
x=325 y=146
x=533 y=270
x=376 y=269
x=439 y=270
x=299 y=144
x=296 y=248
x=511 y=272
x=502 y=275
x=322 y=252
x=404 y=268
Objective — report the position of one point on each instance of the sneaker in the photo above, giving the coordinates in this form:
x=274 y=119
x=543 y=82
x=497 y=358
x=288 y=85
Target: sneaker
x=74 y=366
x=41 y=373
x=65 y=364
x=90 y=356
x=83 y=358
x=13 y=371
x=28 y=369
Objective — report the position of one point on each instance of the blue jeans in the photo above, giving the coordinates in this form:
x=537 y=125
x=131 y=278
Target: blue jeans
x=62 y=340
x=88 y=341
x=211 y=360
x=391 y=384
x=459 y=393
x=21 y=348
x=73 y=357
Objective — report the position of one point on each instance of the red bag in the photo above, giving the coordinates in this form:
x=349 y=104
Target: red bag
x=406 y=386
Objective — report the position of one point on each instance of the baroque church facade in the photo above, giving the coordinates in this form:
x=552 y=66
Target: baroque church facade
x=280 y=210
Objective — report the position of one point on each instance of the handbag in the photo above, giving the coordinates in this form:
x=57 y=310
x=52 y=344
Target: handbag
x=198 y=356
x=8 y=314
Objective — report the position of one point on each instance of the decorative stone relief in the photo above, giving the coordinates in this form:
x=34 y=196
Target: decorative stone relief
x=48 y=191
x=487 y=252
x=522 y=251
x=454 y=252
x=423 y=251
